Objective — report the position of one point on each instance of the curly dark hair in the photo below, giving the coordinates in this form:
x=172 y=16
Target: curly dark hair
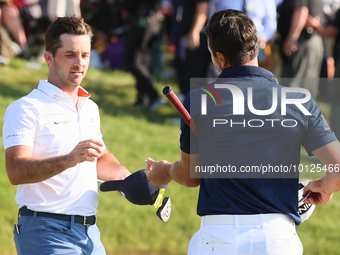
x=233 y=33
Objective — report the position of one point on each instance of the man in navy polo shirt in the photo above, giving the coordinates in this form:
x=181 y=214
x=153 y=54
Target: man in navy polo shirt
x=247 y=152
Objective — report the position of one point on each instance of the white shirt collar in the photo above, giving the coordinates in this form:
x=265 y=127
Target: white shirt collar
x=51 y=90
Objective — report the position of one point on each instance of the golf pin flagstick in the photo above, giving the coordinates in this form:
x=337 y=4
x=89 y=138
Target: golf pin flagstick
x=170 y=94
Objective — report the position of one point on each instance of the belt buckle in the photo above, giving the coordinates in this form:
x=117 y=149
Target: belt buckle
x=86 y=218
x=84 y=223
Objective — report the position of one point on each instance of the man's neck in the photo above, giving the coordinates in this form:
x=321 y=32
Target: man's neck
x=252 y=62
x=74 y=95
x=72 y=91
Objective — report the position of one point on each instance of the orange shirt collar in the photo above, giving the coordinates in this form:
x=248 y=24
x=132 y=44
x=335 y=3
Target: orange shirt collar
x=83 y=93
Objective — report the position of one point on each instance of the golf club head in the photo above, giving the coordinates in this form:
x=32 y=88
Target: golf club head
x=164 y=211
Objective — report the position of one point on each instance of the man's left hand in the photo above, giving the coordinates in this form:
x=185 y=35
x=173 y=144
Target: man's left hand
x=318 y=195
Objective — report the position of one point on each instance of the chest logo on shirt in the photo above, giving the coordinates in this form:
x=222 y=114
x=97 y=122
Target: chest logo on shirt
x=64 y=122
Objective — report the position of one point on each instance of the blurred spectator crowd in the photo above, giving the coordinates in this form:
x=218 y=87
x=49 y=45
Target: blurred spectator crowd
x=298 y=39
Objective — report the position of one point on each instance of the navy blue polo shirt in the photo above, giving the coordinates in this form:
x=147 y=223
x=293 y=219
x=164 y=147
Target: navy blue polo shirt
x=249 y=139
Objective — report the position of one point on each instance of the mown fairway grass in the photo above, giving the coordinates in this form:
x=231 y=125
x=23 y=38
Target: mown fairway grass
x=132 y=135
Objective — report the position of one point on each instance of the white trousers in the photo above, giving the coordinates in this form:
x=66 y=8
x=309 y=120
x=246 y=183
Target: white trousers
x=262 y=234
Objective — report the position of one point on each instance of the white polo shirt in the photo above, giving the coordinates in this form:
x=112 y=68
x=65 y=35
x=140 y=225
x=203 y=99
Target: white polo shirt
x=48 y=121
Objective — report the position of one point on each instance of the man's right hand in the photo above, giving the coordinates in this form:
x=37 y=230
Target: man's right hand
x=87 y=150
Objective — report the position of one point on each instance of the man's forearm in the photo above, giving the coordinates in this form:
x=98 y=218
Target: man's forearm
x=175 y=172
x=332 y=185
x=181 y=175
x=31 y=170
x=167 y=172
x=299 y=19
x=22 y=168
x=200 y=18
x=332 y=178
x=328 y=31
x=162 y=172
x=109 y=168
x=329 y=155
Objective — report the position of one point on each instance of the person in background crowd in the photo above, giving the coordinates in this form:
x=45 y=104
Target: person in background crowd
x=3 y=60
x=301 y=47
x=144 y=28
x=263 y=13
x=192 y=56
x=10 y=19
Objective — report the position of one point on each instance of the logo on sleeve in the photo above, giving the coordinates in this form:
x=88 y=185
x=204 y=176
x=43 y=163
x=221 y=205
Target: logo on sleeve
x=325 y=122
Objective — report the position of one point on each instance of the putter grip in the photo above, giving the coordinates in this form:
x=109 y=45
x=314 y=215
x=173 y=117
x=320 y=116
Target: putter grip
x=169 y=93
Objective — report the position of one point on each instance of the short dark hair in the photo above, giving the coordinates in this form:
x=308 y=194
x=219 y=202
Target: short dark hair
x=233 y=33
x=65 y=25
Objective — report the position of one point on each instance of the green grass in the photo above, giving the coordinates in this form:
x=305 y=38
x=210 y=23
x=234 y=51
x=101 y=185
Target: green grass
x=132 y=135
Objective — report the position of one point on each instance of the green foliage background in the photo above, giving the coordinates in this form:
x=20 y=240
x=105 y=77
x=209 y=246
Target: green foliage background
x=132 y=135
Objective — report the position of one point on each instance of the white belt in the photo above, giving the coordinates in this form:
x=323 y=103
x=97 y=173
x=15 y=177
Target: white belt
x=251 y=219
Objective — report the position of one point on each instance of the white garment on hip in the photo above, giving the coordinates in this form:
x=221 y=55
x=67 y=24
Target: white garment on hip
x=246 y=235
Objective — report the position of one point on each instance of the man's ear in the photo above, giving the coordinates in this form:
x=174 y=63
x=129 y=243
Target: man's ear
x=222 y=59
x=48 y=56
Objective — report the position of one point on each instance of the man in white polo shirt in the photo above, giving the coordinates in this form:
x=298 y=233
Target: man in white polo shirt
x=55 y=152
